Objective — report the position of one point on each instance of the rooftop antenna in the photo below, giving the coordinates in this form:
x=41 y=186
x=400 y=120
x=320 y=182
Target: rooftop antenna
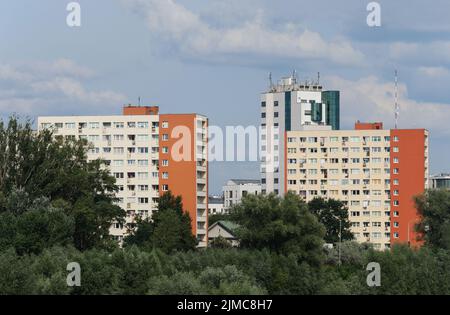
x=294 y=76
x=139 y=101
x=270 y=80
x=397 y=106
x=318 y=78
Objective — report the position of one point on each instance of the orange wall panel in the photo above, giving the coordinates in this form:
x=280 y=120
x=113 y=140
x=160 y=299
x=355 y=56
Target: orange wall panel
x=411 y=177
x=182 y=174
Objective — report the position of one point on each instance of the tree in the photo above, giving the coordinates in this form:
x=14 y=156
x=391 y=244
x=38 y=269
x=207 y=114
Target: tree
x=283 y=225
x=169 y=229
x=434 y=207
x=57 y=169
x=41 y=226
x=333 y=215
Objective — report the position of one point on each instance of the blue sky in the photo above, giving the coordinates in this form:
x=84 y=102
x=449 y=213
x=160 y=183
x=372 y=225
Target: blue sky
x=213 y=57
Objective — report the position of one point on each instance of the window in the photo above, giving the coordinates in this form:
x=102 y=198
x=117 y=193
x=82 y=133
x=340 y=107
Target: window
x=118 y=151
x=165 y=175
x=118 y=163
x=142 y=137
x=142 y=175
x=118 y=137
x=275 y=114
x=263 y=115
x=142 y=124
x=263 y=104
x=396 y=160
x=131 y=124
x=143 y=200
x=118 y=175
x=143 y=162
x=165 y=162
x=396 y=139
x=165 y=187
x=165 y=137
x=143 y=150
x=396 y=149
x=119 y=125
x=70 y=125
x=165 y=150
x=165 y=124
x=94 y=125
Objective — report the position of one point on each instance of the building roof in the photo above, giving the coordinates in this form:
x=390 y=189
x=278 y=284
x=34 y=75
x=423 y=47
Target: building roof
x=441 y=176
x=245 y=181
x=229 y=226
x=215 y=200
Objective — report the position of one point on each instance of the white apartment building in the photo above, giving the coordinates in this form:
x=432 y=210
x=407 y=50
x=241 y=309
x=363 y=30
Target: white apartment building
x=235 y=189
x=375 y=172
x=287 y=106
x=138 y=148
x=130 y=147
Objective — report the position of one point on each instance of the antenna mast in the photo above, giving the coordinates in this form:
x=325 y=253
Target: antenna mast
x=397 y=106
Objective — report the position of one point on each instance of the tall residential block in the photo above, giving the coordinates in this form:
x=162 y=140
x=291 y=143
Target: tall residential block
x=148 y=153
x=290 y=106
x=375 y=172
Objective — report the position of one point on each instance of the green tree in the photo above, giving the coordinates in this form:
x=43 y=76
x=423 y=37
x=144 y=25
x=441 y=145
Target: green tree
x=283 y=225
x=434 y=207
x=169 y=229
x=40 y=165
x=333 y=214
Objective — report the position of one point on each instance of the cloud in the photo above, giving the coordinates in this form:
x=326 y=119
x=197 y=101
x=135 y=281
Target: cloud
x=191 y=36
x=33 y=87
x=371 y=99
x=434 y=72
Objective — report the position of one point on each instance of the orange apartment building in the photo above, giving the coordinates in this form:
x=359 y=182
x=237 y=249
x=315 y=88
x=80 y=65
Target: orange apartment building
x=149 y=154
x=375 y=172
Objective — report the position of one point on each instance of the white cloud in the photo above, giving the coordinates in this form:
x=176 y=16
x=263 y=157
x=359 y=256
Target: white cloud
x=370 y=99
x=434 y=72
x=28 y=88
x=192 y=36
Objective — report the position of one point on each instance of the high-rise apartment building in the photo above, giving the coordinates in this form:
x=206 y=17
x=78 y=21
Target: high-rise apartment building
x=148 y=154
x=288 y=106
x=375 y=172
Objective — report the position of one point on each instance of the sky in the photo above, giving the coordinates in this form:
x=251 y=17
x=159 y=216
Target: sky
x=213 y=57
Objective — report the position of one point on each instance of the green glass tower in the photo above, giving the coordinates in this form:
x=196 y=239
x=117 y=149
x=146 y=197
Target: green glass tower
x=331 y=99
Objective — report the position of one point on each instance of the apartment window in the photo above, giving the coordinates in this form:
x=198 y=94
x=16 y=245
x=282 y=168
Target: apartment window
x=165 y=187
x=131 y=162
x=142 y=124
x=396 y=139
x=396 y=149
x=165 y=137
x=143 y=162
x=118 y=175
x=396 y=170
x=263 y=104
x=70 y=125
x=165 y=124
x=165 y=162
x=143 y=138
x=275 y=114
x=143 y=150
x=396 y=160
x=263 y=115
x=94 y=125
x=142 y=175
x=396 y=213
x=396 y=192
x=143 y=200
x=396 y=224
x=118 y=150
x=131 y=124
x=118 y=163
x=396 y=235
x=118 y=137
x=396 y=181
x=165 y=150
x=119 y=125
x=165 y=175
